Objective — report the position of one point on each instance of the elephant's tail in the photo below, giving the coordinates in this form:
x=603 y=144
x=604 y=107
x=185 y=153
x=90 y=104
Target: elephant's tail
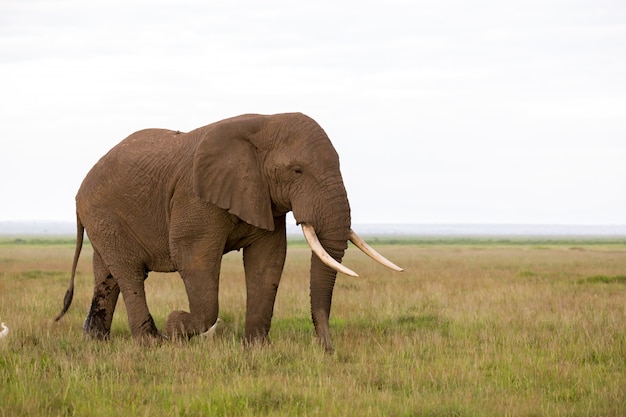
x=69 y=294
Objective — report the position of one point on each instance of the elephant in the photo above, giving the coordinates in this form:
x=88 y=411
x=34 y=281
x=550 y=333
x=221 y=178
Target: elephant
x=164 y=200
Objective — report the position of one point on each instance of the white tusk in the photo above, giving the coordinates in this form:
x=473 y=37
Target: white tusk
x=369 y=251
x=5 y=330
x=211 y=332
x=318 y=249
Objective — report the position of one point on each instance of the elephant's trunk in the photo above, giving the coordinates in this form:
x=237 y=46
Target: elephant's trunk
x=325 y=263
x=326 y=225
x=322 y=285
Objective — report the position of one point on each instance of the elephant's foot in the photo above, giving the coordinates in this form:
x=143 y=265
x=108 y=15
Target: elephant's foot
x=97 y=327
x=181 y=325
x=147 y=332
x=151 y=339
x=177 y=324
x=97 y=333
x=256 y=336
x=256 y=341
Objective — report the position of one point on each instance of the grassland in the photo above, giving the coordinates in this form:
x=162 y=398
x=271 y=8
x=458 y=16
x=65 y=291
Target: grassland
x=471 y=328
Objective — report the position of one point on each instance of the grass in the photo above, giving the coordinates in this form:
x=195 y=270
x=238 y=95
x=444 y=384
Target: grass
x=471 y=328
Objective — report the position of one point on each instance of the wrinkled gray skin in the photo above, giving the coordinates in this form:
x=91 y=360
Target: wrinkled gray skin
x=168 y=201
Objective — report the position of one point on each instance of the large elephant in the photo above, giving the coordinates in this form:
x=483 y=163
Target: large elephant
x=166 y=201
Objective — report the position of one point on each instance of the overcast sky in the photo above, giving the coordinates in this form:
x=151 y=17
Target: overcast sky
x=444 y=111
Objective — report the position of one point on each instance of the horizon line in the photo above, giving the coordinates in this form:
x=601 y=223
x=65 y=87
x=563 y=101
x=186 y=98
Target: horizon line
x=383 y=223
x=67 y=228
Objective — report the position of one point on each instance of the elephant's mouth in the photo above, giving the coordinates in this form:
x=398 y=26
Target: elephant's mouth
x=318 y=249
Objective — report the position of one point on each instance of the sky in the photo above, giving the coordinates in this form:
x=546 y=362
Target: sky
x=449 y=111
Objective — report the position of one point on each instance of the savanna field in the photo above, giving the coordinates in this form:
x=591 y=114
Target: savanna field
x=476 y=327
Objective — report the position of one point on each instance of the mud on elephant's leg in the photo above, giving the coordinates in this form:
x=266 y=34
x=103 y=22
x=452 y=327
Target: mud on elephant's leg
x=106 y=292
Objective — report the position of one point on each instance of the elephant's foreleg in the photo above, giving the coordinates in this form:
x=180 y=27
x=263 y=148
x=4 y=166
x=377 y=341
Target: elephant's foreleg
x=202 y=284
x=263 y=262
x=106 y=292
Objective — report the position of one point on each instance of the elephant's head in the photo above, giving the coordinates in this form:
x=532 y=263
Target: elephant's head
x=261 y=167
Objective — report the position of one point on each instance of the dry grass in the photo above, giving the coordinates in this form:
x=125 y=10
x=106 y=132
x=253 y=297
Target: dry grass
x=467 y=330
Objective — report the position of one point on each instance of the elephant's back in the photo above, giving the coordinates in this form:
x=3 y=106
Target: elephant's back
x=143 y=159
x=148 y=147
x=128 y=191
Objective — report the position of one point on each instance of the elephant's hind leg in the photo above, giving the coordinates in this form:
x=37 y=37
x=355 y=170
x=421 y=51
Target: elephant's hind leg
x=106 y=292
x=131 y=284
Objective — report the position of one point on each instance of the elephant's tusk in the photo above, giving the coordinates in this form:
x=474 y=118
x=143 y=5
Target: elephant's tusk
x=369 y=251
x=318 y=249
x=211 y=332
x=5 y=331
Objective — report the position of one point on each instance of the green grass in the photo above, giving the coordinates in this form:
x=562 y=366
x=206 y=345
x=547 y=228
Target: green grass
x=490 y=328
x=604 y=279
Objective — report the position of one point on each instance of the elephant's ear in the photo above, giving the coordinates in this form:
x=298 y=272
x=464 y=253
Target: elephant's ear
x=226 y=171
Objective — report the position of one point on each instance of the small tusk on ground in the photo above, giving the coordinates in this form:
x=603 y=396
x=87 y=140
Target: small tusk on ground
x=5 y=330
x=210 y=334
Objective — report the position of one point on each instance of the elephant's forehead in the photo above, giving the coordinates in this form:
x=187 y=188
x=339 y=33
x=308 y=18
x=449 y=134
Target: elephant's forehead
x=316 y=154
x=314 y=146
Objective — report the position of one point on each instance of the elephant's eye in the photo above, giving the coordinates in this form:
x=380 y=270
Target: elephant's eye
x=297 y=170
